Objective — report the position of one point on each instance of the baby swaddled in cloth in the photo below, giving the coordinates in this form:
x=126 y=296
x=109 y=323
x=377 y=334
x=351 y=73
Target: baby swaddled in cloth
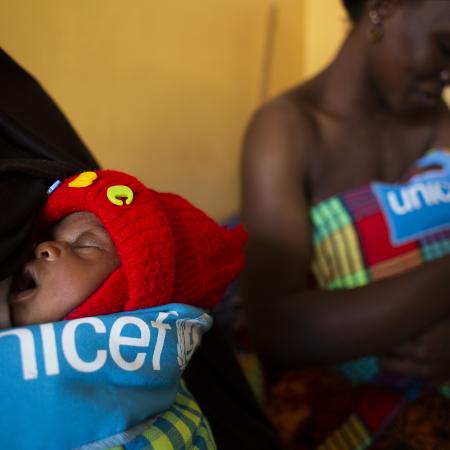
x=132 y=267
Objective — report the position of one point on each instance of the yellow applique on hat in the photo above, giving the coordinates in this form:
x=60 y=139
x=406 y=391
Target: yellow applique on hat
x=83 y=180
x=116 y=193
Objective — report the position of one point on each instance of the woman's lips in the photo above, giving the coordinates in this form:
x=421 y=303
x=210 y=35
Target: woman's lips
x=435 y=94
x=428 y=98
x=431 y=89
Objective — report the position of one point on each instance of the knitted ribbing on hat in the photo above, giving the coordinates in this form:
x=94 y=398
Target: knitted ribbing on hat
x=169 y=250
x=207 y=256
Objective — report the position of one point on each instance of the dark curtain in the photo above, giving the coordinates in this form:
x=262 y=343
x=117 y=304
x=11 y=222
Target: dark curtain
x=37 y=146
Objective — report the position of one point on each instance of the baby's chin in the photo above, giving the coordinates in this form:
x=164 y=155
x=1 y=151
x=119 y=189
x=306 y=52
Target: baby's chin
x=22 y=315
x=20 y=318
x=22 y=297
x=23 y=311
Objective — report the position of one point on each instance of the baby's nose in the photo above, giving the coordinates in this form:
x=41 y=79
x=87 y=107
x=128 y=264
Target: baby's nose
x=49 y=250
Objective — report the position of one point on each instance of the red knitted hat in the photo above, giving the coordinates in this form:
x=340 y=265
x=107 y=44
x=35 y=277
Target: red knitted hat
x=170 y=251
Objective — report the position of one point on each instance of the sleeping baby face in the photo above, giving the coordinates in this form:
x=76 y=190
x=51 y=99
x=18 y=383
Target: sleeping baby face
x=65 y=271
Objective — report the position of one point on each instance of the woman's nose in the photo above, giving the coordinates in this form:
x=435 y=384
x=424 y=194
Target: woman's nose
x=49 y=250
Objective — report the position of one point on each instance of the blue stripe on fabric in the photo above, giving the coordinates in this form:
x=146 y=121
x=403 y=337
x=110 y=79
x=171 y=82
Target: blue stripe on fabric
x=139 y=443
x=174 y=436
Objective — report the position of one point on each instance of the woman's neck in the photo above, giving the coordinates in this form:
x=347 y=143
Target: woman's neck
x=346 y=88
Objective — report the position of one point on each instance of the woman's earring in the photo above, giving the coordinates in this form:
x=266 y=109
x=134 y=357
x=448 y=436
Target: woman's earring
x=375 y=32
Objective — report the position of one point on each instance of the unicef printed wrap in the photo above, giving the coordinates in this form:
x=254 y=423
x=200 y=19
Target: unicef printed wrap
x=69 y=383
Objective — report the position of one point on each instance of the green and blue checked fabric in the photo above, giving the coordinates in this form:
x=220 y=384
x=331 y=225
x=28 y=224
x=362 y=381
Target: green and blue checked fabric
x=181 y=427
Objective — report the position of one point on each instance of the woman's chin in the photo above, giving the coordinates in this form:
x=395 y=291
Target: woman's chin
x=421 y=103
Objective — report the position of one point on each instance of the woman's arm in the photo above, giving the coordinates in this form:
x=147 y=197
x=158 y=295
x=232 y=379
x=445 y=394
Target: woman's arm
x=290 y=324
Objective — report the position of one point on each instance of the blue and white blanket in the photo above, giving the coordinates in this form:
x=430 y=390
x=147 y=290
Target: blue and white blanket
x=70 y=383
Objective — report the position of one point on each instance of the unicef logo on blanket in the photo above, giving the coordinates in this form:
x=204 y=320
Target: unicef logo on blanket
x=104 y=374
x=420 y=206
x=189 y=334
x=127 y=341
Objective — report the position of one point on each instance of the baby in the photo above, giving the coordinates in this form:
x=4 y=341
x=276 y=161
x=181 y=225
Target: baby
x=110 y=244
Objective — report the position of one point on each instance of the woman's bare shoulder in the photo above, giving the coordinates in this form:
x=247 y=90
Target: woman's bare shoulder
x=286 y=122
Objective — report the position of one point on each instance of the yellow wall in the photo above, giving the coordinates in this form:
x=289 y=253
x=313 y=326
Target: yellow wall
x=325 y=26
x=163 y=89
x=306 y=40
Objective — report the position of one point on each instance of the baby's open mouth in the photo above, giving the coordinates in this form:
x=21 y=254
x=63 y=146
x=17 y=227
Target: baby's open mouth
x=24 y=282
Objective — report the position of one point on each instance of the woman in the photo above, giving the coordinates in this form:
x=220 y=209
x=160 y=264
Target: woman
x=369 y=116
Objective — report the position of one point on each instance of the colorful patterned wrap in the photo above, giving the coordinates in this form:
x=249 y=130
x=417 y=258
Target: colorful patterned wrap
x=360 y=236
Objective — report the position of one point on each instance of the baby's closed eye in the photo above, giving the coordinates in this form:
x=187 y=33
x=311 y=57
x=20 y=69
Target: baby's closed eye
x=88 y=240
